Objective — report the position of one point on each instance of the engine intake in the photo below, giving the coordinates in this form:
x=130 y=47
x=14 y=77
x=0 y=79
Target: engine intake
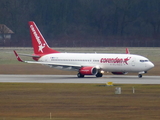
x=88 y=70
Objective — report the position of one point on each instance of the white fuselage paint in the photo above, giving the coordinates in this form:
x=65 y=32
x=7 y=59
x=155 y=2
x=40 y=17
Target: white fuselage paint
x=107 y=62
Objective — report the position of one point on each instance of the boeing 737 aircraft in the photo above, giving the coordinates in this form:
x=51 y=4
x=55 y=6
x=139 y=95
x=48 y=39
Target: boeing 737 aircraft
x=85 y=63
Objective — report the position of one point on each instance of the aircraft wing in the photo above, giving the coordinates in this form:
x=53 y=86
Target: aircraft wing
x=127 y=51
x=35 y=56
x=52 y=64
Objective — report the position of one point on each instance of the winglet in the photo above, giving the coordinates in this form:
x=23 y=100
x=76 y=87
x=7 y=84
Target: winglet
x=17 y=56
x=127 y=51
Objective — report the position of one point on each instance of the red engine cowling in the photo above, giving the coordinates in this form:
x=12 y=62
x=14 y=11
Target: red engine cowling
x=119 y=73
x=88 y=70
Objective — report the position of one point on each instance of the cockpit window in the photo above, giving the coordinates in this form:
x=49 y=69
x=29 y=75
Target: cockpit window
x=144 y=60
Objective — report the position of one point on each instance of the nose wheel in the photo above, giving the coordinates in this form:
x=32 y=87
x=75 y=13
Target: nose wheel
x=140 y=75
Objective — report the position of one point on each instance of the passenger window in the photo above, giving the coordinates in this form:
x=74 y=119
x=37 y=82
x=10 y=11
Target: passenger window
x=141 y=60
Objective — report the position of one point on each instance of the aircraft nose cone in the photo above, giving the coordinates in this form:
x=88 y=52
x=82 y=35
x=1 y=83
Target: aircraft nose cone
x=150 y=65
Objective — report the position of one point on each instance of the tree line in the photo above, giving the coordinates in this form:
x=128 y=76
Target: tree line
x=85 y=21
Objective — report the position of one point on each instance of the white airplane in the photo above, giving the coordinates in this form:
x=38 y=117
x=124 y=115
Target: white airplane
x=85 y=63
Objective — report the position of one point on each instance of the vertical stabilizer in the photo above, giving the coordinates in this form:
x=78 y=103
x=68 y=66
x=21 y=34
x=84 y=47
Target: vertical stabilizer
x=39 y=44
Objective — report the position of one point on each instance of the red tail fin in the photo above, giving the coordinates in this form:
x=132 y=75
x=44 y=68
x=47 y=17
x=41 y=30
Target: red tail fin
x=39 y=44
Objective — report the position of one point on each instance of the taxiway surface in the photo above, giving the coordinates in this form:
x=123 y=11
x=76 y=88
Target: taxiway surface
x=122 y=79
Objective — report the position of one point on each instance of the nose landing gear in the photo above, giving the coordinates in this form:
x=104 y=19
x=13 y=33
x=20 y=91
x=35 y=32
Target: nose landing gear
x=140 y=74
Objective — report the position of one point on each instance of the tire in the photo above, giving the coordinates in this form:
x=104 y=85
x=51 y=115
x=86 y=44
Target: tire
x=79 y=75
x=99 y=75
x=140 y=75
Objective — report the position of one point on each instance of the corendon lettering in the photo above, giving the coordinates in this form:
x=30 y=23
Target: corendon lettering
x=37 y=38
x=115 y=60
x=35 y=34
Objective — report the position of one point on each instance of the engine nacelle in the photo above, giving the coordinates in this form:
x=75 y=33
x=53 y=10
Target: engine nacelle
x=119 y=73
x=88 y=70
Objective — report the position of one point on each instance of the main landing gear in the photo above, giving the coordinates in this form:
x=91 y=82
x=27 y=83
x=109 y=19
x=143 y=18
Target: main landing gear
x=99 y=74
x=79 y=75
x=140 y=75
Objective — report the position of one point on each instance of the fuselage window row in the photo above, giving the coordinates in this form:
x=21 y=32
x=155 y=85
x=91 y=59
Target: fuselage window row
x=75 y=60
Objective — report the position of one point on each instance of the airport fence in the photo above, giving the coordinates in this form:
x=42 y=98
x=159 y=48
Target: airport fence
x=88 y=43
x=102 y=43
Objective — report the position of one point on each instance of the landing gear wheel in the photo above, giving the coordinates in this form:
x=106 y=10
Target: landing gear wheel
x=79 y=75
x=99 y=75
x=140 y=75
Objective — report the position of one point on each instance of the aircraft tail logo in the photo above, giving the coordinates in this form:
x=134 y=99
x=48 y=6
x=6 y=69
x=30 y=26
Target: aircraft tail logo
x=39 y=44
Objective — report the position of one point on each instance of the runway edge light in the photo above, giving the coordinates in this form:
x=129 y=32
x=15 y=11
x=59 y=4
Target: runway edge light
x=109 y=83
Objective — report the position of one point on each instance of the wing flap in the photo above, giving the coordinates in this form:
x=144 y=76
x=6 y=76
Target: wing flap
x=54 y=64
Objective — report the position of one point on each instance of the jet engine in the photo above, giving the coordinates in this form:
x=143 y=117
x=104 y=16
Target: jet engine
x=88 y=71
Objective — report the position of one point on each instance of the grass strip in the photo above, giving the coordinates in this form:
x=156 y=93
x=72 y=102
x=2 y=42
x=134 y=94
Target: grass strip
x=35 y=101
